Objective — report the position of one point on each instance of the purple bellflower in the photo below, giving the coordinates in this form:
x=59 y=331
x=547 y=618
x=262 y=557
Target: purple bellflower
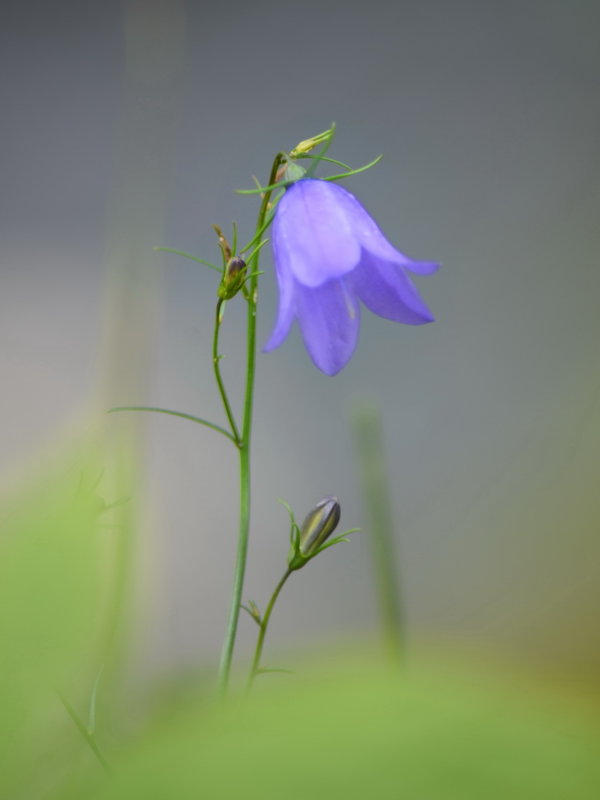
x=329 y=253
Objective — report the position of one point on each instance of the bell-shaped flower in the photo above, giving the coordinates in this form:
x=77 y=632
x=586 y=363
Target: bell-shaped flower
x=329 y=253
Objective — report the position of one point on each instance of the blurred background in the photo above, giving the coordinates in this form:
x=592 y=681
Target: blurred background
x=129 y=124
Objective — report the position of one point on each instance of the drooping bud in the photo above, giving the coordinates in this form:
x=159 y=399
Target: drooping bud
x=233 y=278
x=318 y=526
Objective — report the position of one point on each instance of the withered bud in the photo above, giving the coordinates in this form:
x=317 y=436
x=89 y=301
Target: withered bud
x=223 y=243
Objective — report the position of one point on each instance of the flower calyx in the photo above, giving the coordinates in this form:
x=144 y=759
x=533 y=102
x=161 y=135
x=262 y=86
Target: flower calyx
x=290 y=172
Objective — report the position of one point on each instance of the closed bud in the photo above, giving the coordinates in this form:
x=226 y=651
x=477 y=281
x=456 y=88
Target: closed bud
x=233 y=278
x=308 y=540
x=306 y=145
x=319 y=524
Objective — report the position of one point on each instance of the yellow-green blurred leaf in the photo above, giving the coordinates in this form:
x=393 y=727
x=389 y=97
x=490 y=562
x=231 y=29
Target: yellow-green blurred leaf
x=368 y=734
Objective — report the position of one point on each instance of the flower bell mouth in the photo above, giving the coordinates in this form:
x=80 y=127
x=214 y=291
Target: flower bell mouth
x=330 y=254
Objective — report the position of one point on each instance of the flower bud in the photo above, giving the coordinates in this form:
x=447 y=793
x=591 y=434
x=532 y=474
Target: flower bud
x=306 y=145
x=319 y=524
x=233 y=278
x=309 y=540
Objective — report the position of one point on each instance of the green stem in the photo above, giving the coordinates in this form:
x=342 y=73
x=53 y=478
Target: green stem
x=244 y=448
x=216 y=362
x=263 y=630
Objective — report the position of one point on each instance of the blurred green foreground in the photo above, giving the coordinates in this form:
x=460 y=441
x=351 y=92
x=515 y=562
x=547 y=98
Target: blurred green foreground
x=350 y=729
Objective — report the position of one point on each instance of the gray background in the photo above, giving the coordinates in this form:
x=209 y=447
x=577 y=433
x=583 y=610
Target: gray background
x=126 y=125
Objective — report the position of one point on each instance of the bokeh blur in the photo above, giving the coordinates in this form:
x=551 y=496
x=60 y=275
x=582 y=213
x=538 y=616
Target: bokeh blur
x=128 y=125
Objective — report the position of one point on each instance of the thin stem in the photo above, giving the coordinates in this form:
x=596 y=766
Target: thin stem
x=219 y=379
x=255 y=669
x=244 y=448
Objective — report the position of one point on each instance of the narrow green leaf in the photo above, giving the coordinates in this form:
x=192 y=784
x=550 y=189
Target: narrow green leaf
x=354 y=171
x=288 y=508
x=93 y=698
x=254 y=614
x=89 y=737
x=256 y=251
x=255 y=274
x=191 y=417
x=262 y=189
x=341 y=538
x=328 y=160
x=187 y=255
x=330 y=544
x=234 y=237
x=258 y=235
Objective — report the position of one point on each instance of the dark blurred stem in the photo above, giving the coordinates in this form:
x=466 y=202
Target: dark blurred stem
x=264 y=623
x=244 y=448
x=368 y=436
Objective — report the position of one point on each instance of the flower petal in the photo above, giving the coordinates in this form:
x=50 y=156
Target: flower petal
x=314 y=233
x=329 y=318
x=419 y=267
x=386 y=290
x=372 y=238
x=285 y=311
